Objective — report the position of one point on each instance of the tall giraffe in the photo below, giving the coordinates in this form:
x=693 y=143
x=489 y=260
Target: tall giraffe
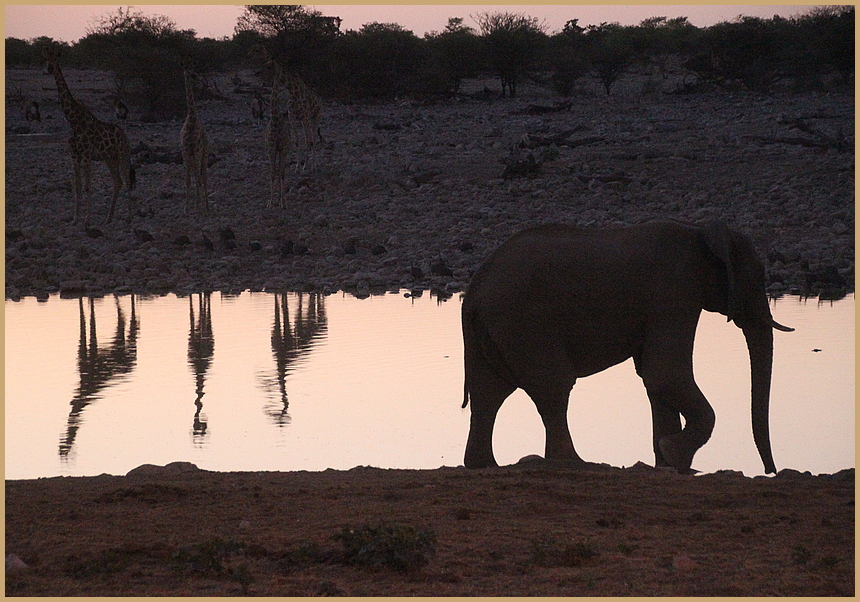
x=92 y=140
x=195 y=150
x=304 y=107
x=277 y=142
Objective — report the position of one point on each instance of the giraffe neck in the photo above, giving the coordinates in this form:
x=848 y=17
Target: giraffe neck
x=303 y=101
x=276 y=85
x=74 y=111
x=189 y=94
x=294 y=85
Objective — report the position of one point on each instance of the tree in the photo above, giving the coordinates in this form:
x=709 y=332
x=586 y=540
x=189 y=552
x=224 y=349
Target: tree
x=567 y=57
x=381 y=60
x=457 y=51
x=611 y=51
x=302 y=40
x=273 y=20
x=662 y=38
x=513 y=43
x=825 y=41
x=749 y=50
x=143 y=52
x=20 y=53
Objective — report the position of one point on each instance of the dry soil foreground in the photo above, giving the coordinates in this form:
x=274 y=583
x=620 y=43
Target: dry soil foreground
x=522 y=530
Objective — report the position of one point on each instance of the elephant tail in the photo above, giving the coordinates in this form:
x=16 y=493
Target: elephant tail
x=479 y=349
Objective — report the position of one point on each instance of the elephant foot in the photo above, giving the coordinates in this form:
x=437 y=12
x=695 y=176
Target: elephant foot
x=476 y=461
x=675 y=454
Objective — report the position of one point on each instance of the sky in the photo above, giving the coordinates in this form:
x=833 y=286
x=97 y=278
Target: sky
x=70 y=22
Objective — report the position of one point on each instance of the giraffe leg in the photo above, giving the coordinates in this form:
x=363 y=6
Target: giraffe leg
x=115 y=175
x=282 y=175
x=187 y=186
x=87 y=172
x=78 y=192
x=128 y=170
x=310 y=137
x=204 y=183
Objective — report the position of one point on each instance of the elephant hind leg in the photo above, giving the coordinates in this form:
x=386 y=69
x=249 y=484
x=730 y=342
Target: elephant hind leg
x=486 y=391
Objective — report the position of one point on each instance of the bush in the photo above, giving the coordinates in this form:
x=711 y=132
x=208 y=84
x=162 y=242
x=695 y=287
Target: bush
x=381 y=60
x=514 y=44
x=143 y=52
x=457 y=52
x=399 y=547
x=547 y=552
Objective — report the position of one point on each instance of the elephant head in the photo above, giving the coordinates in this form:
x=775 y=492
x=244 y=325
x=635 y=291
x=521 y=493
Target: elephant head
x=739 y=293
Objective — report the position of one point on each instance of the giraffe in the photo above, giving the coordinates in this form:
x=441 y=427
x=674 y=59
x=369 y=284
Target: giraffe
x=195 y=151
x=277 y=143
x=304 y=107
x=92 y=140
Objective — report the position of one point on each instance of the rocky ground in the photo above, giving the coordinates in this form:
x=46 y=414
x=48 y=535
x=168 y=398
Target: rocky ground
x=526 y=530
x=412 y=194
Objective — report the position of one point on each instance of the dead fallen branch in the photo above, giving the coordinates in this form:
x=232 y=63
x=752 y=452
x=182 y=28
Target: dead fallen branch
x=820 y=140
x=560 y=139
x=543 y=109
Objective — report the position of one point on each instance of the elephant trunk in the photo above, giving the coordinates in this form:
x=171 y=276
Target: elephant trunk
x=760 y=345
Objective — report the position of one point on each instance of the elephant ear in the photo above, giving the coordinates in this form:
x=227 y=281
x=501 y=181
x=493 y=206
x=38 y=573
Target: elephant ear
x=719 y=241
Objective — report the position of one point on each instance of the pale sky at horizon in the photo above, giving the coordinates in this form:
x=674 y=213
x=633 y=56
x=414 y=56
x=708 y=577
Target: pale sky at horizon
x=69 y=22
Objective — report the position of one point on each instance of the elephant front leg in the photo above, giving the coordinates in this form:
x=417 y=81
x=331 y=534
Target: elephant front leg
x=674 y=446
x=552 y=406
x=665 y=421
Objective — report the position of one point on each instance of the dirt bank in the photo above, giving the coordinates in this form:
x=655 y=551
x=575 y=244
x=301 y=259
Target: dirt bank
x=522 y=531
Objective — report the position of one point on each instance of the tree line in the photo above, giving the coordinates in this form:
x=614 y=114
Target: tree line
x=384 y=60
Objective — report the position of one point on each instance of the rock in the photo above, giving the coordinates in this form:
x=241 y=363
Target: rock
x=14 y=563
x=530 y=459
x=640 y=467
x=684 y=563
x=172 y=469
x=789 y=474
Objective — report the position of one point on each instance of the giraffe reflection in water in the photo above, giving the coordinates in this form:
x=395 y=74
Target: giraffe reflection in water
x=100 y=367
x=291 y=343
x=201 y=348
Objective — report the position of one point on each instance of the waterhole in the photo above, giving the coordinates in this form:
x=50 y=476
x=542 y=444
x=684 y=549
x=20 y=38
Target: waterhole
x=266 y=382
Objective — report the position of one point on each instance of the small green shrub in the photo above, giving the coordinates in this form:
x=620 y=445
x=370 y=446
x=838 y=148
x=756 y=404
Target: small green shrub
x=210 y=556
x=399 y=547
x=800 y=555
x=547 y=552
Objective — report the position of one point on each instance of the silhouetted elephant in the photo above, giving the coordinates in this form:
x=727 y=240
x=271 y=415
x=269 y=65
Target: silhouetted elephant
x=556 y=303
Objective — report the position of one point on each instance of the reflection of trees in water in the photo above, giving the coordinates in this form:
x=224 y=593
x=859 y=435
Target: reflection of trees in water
x=291 y=343
x=201 y=348
x=99 y=367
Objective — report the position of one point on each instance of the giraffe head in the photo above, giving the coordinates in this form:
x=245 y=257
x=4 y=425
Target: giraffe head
x=186 y=63
x=52 y=58
x=259 y=53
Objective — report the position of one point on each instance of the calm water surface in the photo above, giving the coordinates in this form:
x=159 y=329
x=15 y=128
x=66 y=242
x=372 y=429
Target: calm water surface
x=308 y=382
